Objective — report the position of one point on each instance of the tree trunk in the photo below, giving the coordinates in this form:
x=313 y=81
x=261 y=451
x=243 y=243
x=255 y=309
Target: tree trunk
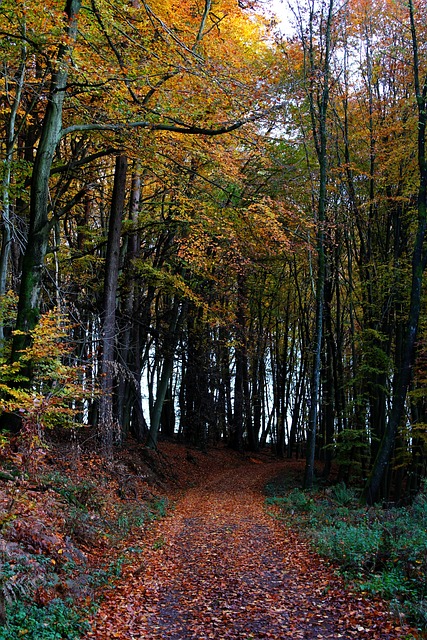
x=39 y=227
x=320 y=136
x=109 y=302
x=241 y=367
x=403 y=376
x=7 y=163
x=128 y=382
x=177 y=318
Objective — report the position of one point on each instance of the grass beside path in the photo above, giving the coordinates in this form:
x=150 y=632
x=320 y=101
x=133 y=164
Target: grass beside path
x=379 y=552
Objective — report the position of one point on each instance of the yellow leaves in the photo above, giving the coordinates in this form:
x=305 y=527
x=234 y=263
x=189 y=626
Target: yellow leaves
x=271 y=232
x=55 y=386
x=168 y=56
x=17 y=399
x=169 y=283
x=8 y=307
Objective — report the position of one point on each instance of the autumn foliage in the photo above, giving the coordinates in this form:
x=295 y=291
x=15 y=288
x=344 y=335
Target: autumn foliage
x=213 y=230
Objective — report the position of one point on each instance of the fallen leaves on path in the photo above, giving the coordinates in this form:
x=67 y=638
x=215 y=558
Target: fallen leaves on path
x=220 y=567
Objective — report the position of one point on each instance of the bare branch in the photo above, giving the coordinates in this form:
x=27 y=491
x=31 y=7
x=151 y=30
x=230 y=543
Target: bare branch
x=202 y=24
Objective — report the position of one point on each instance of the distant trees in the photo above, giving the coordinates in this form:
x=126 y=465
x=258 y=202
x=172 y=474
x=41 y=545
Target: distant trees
x=372 y=243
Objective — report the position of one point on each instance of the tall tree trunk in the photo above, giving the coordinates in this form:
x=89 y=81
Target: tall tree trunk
x=177 y=318
x=6 y=229
x=168 y=418
x=198 y=414
x=128 y=391
x=403 y=376
x=329 y=383
x=112 y=260
x=241 y=367
x=39 y=227
x=320 y=137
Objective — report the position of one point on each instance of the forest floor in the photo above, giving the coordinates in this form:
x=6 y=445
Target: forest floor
x=220 y=566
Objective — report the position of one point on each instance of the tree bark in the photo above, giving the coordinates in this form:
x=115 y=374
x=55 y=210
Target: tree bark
x=241 y=367
x=111 y=275
x=6 y=232
x=177 y=318
x=320 y=137
x=39 y=225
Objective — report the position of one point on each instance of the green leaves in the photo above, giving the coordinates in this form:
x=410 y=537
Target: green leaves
x=53 y=391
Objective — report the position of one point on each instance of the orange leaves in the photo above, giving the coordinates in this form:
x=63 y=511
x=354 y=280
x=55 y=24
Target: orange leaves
x=167 y=56
x=226 y=570
x=272 y=237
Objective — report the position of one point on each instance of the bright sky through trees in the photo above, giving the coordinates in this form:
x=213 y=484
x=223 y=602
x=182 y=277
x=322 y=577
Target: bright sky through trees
x=280 y=8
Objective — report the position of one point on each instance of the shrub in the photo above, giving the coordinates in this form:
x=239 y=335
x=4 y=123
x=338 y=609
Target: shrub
x=343 y=495
x=390 y=583
x=295 y=501
x=84 y=495
x=41 y=388
x=131 y=516
x=83 y=527
x=55 y=621
x=383 y=551
x=158 y=508
x=354 y=547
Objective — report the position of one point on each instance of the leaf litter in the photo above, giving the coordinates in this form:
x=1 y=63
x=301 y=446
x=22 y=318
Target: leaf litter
x=219 y=566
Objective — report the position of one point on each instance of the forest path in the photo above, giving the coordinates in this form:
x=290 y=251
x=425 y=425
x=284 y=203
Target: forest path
x=220 y=567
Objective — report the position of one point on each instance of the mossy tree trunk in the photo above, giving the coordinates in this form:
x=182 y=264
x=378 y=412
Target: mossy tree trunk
x=39 y=223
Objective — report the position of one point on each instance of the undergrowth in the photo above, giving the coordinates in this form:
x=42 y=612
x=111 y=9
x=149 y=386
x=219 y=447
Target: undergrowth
x=58 y=620
x=47 y=584
x=381 y=551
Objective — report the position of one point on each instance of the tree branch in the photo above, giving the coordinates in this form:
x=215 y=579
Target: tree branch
x=184 y=129
x=86 y=160
x=178 y=127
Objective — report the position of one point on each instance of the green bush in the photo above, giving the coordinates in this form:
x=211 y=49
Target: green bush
x=295 y=501
x=382 y=551
x=55 y=621
x=84 y=495
x=354 y=547
x=158 y=508
x=419 y=507
x=390 y=583
x=416 y=609
x=137 y=515
x=131 y=516
x=343 y=495
x=82 y=526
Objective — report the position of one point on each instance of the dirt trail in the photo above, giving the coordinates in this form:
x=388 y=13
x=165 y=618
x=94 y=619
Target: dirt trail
x=220 y=567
